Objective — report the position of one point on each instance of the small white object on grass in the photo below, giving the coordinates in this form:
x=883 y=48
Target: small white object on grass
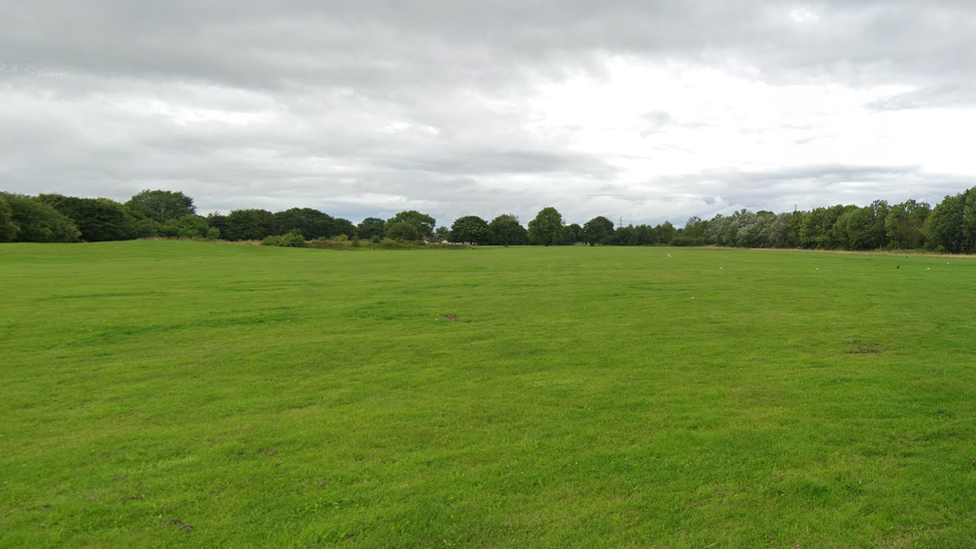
x=817 y=269
x=693 y=297
x=669 y=255
x=928 y=268
x=720 y=268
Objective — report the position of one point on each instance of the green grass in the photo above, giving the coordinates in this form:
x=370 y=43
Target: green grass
x=177 y=394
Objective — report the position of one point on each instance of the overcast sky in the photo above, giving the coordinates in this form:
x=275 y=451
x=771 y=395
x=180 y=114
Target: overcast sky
x=645 y=110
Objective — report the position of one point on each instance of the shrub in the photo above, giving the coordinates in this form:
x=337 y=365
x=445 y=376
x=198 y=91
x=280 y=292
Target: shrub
x=402 y=231
x=687 y=241
x=390 y=244
x=294 y=239
x=274 y=240
x=98 y=219
x=36 y=221
x=8 y=230
x=328 y=244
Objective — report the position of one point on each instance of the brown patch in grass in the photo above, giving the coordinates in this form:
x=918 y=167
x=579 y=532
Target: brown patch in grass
x=179 y=524
x=862 y=348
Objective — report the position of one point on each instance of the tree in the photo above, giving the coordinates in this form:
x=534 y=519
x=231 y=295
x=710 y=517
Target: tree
x=572 y=233
x=598 y=230
x=403 y=231
x=745 y=228
x=775 y=232
x=741 y=229
x=442 y=234
x=8 y=229
x=760 y=233
x=370 y=227
x=952 y=224
x=818 y=228
x=161 y=206
x=878 y=213
x=247 y=225
x=695 y=228
x=644 y=236
x=665 y=232
x=470 y=228
x=905 y=223
x=969 y=220
x=506 y=231
x=345 y=227
x=188 y=226
x=39 y=222
x=422 y=222
x=217 y=221
x=625 y=236
x=310 y=223
x=718 y=230
x=793 y=225
x=547 y=227
x=854 y=228
x=98 y=219
x=943 y=227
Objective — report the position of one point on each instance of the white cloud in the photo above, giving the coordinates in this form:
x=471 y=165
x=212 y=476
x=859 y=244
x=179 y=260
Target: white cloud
x=804 y=16
x=642 y=110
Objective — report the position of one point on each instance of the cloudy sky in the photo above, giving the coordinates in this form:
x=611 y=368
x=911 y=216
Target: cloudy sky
x=640 y=110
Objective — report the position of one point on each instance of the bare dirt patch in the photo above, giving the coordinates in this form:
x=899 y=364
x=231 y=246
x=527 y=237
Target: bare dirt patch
x=857 y=347
x=181 y=525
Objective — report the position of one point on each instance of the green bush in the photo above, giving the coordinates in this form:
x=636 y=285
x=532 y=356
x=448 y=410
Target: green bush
x=36 y=221
x=686 y=241
x=293 y=239
x=8 y=230
x=272 y=240
x=402 y=231
x=390 y=244
x=188 y=226
x=329 y=244
x=98 y=219
x=376 y=244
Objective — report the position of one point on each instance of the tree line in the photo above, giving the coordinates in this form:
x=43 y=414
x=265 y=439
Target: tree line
x=169 y=214
x=948 y=227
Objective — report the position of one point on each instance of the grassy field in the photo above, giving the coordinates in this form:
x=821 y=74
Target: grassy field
x=180 y=394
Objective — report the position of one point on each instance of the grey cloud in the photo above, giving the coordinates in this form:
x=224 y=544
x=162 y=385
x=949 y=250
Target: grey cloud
x=367 y=44
x=324 y=81
x=955 y=94
x=474 y=162
x=807 y=187
x=656 y=121
x=705 y=194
